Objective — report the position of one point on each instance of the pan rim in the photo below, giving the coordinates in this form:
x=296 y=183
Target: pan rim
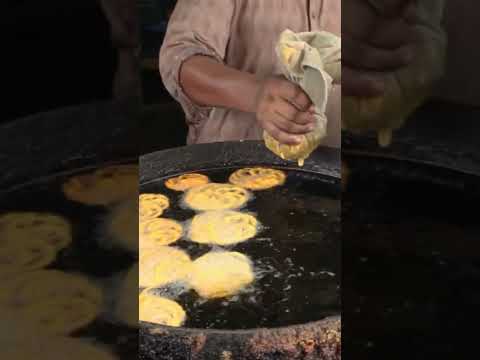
x=323 y=323
x=69 y=171
x=324 y=161
x=411 y=160
x=206 y=169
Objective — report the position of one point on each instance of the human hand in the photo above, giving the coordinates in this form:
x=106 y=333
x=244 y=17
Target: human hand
x=399 y=90
x=284 y=110
x=377 y=40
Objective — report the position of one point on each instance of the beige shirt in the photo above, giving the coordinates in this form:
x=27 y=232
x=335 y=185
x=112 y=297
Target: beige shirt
x=241 y=34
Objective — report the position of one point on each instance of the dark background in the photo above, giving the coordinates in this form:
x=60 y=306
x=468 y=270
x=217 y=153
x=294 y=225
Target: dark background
x=55 y=54
x=162 y=125
x=58 y=54
x=154 y=16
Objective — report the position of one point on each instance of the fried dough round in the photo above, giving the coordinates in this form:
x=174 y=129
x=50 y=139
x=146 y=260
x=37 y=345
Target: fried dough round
x=159 y=232
x=52 y=301
x=258 y=178
x=31 y=256
x=186 y=181
x=221 y=274
x=163 y=265
x=216 y=196
x=104 y=186
x=222 y=227
x=47 y=284
x=152 y=206
x=160 y=310
x=59 y=316
x=17 y=228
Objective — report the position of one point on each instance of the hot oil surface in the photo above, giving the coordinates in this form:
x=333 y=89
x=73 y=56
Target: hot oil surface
x=411 y=263
x=296 y=256
x=87 y=254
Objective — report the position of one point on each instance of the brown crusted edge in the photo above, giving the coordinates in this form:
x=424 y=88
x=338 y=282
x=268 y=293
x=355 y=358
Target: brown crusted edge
x=319 y=340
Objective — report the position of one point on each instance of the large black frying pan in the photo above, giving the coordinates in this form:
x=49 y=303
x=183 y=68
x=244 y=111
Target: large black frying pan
x=37 y=153
x=66 y=139
x=301 y=217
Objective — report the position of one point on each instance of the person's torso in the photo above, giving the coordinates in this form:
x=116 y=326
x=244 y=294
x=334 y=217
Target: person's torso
x=255 y=29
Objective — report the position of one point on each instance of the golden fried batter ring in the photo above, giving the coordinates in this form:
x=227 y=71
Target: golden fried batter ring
x=186 y=181
x=152 y=206
x=126 y=176
x=258 y=178
x=222 y=227
x=44 y=285
x=221 y=274
x=162 y=265
x=175 y=268
x=30 y=256
x=160 y=310
x=55 y=302
x=18 y=228
x=159 y=231
x=216 y=196
x=59 y=316
x=103 y=187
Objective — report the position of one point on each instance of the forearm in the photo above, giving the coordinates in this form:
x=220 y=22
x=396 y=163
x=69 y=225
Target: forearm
x=208 y=82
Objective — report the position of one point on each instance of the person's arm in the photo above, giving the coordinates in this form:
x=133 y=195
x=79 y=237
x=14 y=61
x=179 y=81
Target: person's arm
x=280 y=106
x=193 y=70
x=415 y=35
x=210 y=83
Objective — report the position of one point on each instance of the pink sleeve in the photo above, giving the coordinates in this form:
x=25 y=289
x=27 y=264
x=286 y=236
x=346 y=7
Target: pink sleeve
x=196 y=27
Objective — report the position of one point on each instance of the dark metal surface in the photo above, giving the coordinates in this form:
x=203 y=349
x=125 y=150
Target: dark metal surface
x=411 y=259
x=296 y=255
x=439 y=133
x=314 y=341
x=324 y=161
x=92 y=253
x=410 y=238
x=66 y=139
x=35 y=150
